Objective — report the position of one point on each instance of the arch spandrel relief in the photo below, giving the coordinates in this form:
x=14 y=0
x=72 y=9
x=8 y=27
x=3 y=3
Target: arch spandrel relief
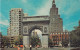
x=25 y=30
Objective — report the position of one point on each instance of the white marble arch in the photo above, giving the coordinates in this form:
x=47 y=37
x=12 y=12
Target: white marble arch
x=27 y=29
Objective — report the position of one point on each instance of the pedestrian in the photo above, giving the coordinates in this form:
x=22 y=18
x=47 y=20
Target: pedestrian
x=30 y=47
x=36 y=47
x=18 y=48
x=24 y=48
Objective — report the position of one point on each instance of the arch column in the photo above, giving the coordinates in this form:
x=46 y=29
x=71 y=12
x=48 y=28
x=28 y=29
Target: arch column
x=25 y=37
x=45 y=37
x=45 y=40
x=26 y=40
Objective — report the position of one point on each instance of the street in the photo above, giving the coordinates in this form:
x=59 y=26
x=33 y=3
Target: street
x=55 y=48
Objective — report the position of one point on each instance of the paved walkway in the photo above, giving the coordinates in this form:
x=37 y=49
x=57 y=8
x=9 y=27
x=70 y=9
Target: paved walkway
x=1 y=48
x=55 y=48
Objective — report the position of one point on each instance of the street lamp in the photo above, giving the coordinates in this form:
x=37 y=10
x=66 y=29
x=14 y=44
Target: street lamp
x=69 y=40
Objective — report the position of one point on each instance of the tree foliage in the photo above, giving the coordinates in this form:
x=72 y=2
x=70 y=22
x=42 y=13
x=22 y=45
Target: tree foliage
x=75 y=37
x=19 y=41
x=5 y=41
x=65 y=43
x=35 y=41
x=50 y=42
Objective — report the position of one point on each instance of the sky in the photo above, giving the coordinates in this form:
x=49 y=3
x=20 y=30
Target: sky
x=69 y=11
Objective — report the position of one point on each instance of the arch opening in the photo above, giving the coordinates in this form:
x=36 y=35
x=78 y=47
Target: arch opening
x=36 y=37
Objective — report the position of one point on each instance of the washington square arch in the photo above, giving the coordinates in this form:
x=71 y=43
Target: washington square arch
x=46 y=24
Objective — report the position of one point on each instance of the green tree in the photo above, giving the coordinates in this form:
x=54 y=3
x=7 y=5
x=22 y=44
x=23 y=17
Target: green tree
x=16 y=43
x=35 y=41
x=5 y=41
x=50 y=42
x=75 y=37
x=19 y=41
x=65 y=43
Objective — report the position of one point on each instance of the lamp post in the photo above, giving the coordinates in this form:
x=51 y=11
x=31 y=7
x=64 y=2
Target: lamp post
x=30 y=47
x=69 y=40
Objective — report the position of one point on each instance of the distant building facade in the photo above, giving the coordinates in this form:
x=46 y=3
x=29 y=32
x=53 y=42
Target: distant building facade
x=18 y=18
x=0 y=39
x=12 y=40
x=57 y=38
x=79 y=22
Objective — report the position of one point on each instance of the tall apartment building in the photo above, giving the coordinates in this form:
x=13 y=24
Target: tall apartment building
x=8 y=31
x=15 y=28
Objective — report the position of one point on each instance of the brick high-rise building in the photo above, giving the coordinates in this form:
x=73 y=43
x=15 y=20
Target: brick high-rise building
x=56 y=23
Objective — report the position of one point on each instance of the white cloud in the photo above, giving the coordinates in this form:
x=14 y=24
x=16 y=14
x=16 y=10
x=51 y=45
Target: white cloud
x=65 y=7
x=1 y=15
x=68 y=7
x=72 y=10
x=72 y=23
x=61 y=4
x=64 y=28
x=44 y=10
x=5 y=22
